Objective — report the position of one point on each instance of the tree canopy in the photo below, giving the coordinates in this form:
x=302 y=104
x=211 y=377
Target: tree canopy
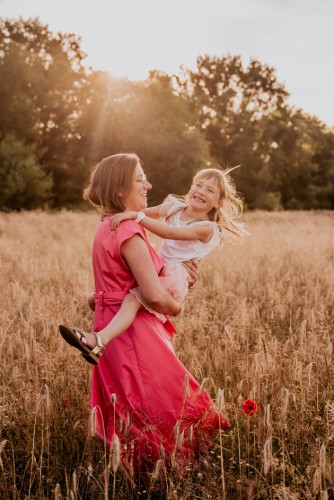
x=58 y=119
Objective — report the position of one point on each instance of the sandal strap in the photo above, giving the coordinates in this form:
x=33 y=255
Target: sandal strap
x=98 y=350
x=80 y=335
x=100 y=347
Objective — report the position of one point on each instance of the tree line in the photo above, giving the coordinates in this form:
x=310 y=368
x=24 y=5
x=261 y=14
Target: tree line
x=58 y=119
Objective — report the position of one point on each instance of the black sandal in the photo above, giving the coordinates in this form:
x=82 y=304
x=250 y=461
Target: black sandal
x=76 y=338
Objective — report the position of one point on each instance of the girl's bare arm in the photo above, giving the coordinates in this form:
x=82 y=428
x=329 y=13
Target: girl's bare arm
x=153 y=212
x=202 y=232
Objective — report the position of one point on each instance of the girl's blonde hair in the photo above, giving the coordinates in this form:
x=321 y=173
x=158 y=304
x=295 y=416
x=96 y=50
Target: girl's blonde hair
x=231 y=203
x=111 y=181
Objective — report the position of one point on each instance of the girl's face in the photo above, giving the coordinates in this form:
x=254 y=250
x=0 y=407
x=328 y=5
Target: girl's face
x=204 y=195
x=137 y=198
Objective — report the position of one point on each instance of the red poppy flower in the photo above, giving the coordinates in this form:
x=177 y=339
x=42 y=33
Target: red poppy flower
x=66 y=403
x=249 y=406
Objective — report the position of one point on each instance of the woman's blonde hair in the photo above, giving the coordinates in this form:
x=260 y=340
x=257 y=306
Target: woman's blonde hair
x=111 y=181
x=230 y=202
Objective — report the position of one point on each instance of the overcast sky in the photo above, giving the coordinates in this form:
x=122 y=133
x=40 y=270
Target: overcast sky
x=130 y=37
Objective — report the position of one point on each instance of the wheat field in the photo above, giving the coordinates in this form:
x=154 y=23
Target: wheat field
x=258 y=324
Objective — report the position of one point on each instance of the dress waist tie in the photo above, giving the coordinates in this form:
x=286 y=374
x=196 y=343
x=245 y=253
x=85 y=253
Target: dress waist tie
x=116 y=298
x=105 y=298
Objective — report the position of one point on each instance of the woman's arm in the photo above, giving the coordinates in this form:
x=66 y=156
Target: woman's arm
x=202 y=232
x=136 y=254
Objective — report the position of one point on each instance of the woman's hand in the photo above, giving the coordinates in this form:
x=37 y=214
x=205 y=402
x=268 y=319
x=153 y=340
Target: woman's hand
x=91 y=301
x=116 y=219
x=192 y=270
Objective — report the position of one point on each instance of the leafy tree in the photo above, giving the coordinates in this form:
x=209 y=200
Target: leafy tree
x=63 y=119
x=40 y=74
x=306 y=157
x=148 y=118
x=231 y=100
x=286 y=156
x=23 y=182
x=222 y=88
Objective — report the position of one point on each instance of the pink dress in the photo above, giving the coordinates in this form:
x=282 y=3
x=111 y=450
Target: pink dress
x=160 y=410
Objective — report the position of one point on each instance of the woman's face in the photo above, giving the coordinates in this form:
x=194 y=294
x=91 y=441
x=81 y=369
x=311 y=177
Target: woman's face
x=137 y=198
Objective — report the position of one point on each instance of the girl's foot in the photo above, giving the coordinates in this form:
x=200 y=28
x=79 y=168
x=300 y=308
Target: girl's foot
x=90 y=344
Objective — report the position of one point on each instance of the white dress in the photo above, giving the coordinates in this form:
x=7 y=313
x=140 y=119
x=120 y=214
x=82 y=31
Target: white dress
x=174 y=252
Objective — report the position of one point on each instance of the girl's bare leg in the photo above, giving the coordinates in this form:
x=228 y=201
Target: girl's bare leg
x=120 y=322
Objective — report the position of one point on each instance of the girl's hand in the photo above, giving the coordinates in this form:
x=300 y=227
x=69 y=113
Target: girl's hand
x=116 y=219
x=192 y=270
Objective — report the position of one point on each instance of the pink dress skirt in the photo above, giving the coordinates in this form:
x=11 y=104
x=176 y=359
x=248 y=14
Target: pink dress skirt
x=140 y=389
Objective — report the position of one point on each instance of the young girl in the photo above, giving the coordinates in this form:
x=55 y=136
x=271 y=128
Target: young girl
x=191 y=229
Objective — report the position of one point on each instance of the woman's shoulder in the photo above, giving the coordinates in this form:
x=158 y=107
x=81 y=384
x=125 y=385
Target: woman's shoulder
x=124 y=231
x=130 y=228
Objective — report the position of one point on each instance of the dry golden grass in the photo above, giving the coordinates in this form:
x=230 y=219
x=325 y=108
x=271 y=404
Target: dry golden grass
x=258 y=324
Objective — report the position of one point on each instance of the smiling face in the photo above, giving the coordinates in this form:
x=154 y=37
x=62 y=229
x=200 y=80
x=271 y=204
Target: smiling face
x=137 y=198
x=204 y=195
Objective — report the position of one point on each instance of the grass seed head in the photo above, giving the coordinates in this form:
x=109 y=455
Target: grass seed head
x=116 y=452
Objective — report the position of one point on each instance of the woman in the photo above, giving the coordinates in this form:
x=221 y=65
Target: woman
x=140 y=389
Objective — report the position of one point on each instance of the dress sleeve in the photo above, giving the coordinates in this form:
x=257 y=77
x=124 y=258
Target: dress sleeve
x=169 y=205
x=125 y=231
